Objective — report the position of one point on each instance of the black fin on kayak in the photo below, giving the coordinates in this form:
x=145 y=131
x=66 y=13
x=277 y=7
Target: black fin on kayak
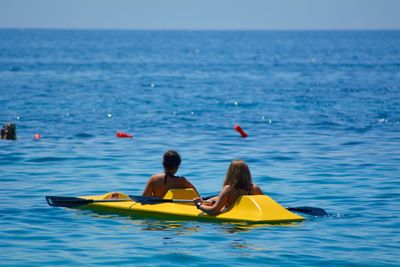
x=68 y=202
x=310 y=211
x=149 y=200
x=156 y=200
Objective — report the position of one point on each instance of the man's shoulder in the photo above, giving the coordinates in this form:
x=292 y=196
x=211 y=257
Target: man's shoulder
x=156 y=177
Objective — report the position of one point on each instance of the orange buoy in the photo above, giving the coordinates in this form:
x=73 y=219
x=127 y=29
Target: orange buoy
x=240 y=130
x=123 y=135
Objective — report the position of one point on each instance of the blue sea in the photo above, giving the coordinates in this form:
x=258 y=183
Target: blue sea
x=321 y=108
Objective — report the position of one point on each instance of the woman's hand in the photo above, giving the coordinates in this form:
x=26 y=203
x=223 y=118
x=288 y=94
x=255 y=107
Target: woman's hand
x=198 y=201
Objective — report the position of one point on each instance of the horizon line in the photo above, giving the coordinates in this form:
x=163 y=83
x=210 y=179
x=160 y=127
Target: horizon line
x=197 y=29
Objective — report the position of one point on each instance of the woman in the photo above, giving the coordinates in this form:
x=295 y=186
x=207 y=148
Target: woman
x=159 y=184
x=237 y=183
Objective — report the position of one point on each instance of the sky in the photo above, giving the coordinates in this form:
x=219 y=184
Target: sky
x=201 y=14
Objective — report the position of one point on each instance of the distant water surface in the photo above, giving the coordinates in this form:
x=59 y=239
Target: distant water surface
x=322 y=110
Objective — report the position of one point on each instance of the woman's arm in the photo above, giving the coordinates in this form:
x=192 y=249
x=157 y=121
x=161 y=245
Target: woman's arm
x=216 y=208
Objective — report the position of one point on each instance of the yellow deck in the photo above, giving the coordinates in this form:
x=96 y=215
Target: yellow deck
x=252 y=209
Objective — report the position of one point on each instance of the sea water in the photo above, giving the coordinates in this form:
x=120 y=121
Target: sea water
x=321 y=108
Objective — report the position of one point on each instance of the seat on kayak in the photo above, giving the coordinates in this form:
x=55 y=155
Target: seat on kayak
x=187 y=193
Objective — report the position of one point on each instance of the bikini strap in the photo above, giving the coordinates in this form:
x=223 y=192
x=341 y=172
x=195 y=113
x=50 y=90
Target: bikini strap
x=171 y=175
x=166 y=177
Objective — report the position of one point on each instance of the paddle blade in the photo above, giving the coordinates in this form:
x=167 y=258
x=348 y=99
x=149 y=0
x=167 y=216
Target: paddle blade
x=68 y=202
x=310 y=211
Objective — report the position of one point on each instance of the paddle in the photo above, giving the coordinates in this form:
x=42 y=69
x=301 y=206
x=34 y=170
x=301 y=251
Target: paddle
x=71 y=202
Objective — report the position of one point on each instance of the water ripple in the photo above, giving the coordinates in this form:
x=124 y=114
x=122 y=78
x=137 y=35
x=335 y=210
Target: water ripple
x=321 y=110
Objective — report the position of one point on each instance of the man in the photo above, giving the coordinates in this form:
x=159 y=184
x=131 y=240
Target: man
x=9 y=132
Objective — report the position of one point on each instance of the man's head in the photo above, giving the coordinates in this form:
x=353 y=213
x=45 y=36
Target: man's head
x=171 y=161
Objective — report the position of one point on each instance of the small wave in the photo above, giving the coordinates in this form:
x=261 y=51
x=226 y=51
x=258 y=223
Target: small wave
x=84 y=135
x=15 y=69
x=353 y=143
x=55 y=159
x=359 y=129
x=282 y=158
x=326 y=124
x=10 y=158
x=46 y=159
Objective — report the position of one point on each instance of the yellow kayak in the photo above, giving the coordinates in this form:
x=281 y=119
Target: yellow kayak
x=251 y=209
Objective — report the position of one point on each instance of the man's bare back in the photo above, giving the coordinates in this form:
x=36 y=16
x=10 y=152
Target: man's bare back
x=159 y=184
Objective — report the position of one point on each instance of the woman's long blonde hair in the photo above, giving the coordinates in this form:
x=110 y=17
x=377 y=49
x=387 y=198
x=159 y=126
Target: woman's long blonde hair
x=238 y=175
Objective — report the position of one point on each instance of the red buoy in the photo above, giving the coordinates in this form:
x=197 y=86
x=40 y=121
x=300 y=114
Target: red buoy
x=240 y=130
x=123 y=135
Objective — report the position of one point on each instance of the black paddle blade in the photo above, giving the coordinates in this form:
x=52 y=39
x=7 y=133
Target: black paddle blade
x=310 y=211
x=68 y=202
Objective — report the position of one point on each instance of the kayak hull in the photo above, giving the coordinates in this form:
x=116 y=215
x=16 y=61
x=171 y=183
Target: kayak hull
x=250 y=209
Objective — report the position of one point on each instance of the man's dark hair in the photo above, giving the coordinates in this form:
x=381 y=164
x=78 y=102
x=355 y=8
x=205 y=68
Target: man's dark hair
x=171 y=159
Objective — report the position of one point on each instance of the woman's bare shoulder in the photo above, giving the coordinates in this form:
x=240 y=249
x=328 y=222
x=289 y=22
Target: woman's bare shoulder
x=228 y=189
